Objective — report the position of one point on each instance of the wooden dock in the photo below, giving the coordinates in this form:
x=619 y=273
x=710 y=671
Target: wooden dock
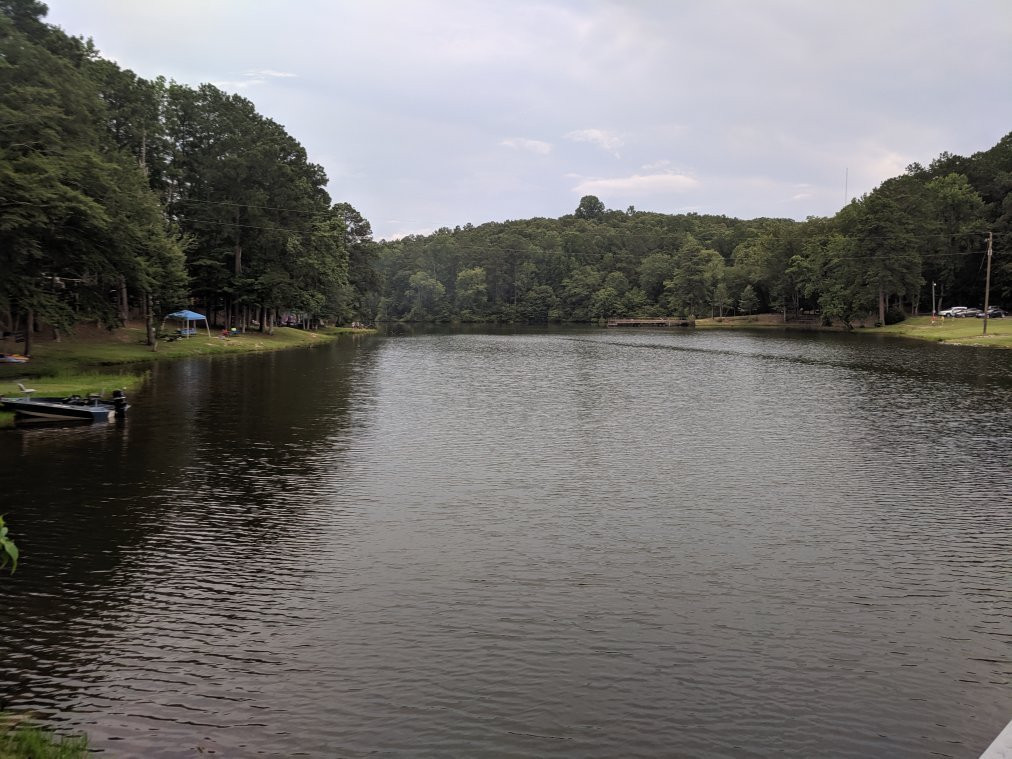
x=667 y=322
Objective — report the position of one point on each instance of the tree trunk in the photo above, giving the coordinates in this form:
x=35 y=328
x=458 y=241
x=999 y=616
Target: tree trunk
x=124 y=303
x=149 y=321
x=881 y=306
x=29 y=328
x=234 y=311
x=238 y=246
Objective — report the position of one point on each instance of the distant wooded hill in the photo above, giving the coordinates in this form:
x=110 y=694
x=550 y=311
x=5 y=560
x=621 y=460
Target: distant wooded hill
x=878 y=255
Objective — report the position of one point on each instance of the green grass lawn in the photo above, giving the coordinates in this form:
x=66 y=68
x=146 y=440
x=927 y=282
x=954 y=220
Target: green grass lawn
x=78 y=383
x=127 y=346
x=99 y=361
x=953 y=331
x=950 y=331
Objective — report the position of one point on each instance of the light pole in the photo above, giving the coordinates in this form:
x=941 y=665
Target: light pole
x=987 y=281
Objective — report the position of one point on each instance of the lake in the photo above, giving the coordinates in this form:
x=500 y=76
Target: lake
x=520 y=543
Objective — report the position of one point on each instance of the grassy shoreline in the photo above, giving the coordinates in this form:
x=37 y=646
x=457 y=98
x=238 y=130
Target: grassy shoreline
x=965 y=332
x=98 y=360
x=21 y=736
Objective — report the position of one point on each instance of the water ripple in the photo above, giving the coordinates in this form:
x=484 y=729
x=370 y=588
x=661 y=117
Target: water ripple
x=577 y=544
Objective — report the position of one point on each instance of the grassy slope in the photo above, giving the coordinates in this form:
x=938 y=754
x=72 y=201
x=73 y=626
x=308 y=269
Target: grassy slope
x=92 y=361
x=953 y=331
x=949 y=331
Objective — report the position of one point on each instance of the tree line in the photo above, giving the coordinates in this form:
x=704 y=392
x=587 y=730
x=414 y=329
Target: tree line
x=121 y=196
x=877 y=257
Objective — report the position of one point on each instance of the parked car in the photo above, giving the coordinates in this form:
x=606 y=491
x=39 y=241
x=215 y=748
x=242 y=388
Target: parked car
x=954 y=311
x=994 y=312
x=966 y=313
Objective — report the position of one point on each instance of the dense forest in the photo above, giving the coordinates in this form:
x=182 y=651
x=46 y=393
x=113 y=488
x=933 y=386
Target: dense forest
x=123 y=198
x=876 y=258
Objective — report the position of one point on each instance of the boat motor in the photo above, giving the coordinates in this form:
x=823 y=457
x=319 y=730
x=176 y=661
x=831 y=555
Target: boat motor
x=119 y=402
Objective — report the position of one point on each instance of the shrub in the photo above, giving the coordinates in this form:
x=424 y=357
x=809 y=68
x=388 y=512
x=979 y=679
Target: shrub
x=895 y=315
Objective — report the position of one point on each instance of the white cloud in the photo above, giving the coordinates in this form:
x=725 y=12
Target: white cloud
x=253 y=78
x=883 y=163
x=601 y=137
x=403 y=232
x=267 y=73
x=534 y=146
x=241 y=84
x=638 y=184
x=656 y=165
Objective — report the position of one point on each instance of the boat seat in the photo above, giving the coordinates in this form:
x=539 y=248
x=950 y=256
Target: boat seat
x=26 y=390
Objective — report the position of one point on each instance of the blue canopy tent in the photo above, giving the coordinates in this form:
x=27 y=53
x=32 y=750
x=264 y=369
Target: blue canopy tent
x=187 y=317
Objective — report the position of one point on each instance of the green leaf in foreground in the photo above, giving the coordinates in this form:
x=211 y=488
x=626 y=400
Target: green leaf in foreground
x=8 y=551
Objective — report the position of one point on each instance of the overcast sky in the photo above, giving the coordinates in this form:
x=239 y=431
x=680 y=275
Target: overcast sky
x=433 y=113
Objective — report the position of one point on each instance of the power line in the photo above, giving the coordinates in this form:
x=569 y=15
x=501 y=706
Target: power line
x=187 y=201
x=776 y=235
x=497 y=249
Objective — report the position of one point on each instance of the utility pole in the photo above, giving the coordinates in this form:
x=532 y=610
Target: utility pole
x=934 y=311
x=987 y=279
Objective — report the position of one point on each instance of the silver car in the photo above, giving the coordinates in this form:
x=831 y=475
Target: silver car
x=953 y=311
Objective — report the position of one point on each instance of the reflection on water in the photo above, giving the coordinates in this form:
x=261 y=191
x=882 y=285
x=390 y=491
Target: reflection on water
x=526 y=543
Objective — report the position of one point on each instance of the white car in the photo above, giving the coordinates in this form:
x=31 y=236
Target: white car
x=954 y=311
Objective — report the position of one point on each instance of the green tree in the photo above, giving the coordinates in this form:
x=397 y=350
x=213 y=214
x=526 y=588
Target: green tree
x=605 y=302
x=749 y=301
x=427 y=292
x=590 y=208
x=76 y=217
x=653 y=271
x=836 y=278
x=721 y=297
x=617 y=281
x=538 y=303
x=362 y=251
x=472 y=294
x=578 y=289
x=696 y=273
x=954 y=212
x=885 y=245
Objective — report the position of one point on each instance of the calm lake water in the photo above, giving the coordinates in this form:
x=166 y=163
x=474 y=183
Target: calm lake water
x=579 y=543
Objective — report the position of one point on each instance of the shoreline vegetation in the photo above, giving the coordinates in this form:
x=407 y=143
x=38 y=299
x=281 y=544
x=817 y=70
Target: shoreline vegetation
x=96 y=360
x=21 y=736
x=963 y=332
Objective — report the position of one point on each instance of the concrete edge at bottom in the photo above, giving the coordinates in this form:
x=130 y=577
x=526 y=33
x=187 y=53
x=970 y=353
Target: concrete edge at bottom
x=1001 y=747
